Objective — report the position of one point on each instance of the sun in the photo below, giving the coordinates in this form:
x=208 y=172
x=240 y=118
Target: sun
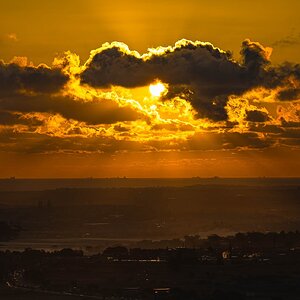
x=157 y=89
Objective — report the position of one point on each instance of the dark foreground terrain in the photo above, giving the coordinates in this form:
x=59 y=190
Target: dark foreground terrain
x=150 y=239
x=243 y=266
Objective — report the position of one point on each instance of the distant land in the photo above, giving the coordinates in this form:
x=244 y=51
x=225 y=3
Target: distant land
x=31 y=184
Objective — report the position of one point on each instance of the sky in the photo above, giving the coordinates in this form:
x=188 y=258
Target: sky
x=149 y=89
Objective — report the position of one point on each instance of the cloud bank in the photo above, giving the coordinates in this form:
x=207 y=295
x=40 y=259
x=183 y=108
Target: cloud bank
x=211 y=102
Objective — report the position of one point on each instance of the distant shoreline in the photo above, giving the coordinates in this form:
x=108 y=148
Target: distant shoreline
x=38 y=184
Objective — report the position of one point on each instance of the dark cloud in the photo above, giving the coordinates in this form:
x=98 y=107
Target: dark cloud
x=293 y=133
x=121 y=128
x=91 y=112
x=289 y=94
x=285 y=123
x=257 y=116
x=284 y=76
x=265 y=128
x=290 y=142
x=199 y=72
x=207 y=71
x=227 y=140
x=254 y=56
x=14 y=141
x=22 y=142
x=8 y=118
x=290 y=40
x=15 y=78
x=173 y=127
x=32 y=89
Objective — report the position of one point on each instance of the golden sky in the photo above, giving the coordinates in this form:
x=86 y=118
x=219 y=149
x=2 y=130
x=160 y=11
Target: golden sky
x=149 y=88
x=41 y=29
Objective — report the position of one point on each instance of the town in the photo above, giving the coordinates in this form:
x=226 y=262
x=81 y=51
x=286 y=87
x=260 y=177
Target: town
x=249 y=265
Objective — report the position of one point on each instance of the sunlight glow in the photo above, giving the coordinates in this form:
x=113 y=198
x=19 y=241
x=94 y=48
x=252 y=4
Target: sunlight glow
x=157 y=89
